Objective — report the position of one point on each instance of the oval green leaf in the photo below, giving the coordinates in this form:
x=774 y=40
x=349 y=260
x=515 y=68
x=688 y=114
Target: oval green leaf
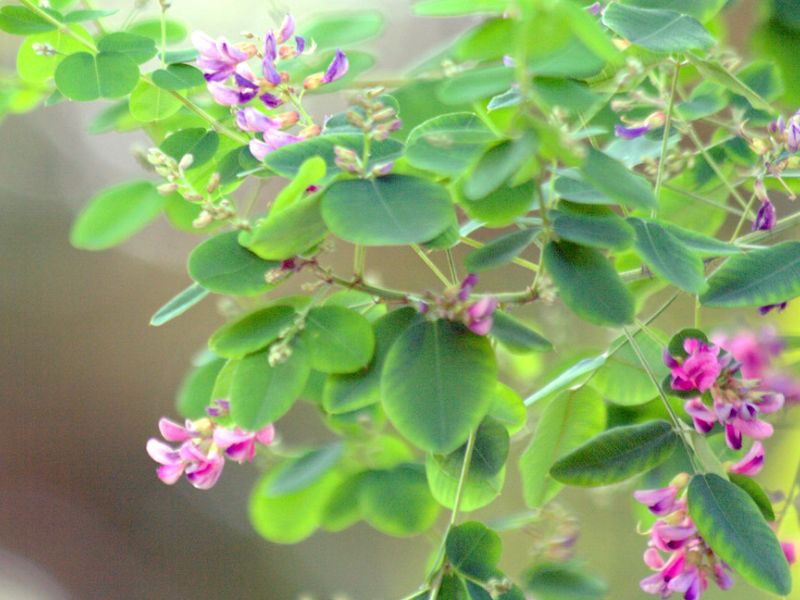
x=339 y=339
x=662 y=31
x=251 y=332
x=447 y=144
x=516 y=336
x=137 y=47
x=500 y=251
x=299 y=473
x=115 y=214
x=438 y=383
x=474 y=550
x=617 y=455
x=730 y=522
x=85 y=77
x=387 y=211
x=287 y=232
x=613 y=179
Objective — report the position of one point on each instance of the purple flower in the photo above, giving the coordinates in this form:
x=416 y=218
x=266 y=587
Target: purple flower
x=595 y=9
x=630 y=133
x=751 y=463
x=337 y=69
x=250 y=119
x=286 y=31
x=660 y=502
x=469 y=283
x=218 y=59
x=273 y=139
x=480 y=315
x=699 y=370
x=244 y=90
x=768 y=308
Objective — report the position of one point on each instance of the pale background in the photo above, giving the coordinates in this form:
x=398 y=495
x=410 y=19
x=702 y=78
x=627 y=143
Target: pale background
x=84 y=380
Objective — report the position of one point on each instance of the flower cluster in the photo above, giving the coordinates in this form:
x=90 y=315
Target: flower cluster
x=787 y=131
x=454 y=305
x=204 y=446
x=737 y=404
x=690 y=563
x=232 y=82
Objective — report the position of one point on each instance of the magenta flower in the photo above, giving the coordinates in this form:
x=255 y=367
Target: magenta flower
x=273 y=139
x=218 y=59
x=690 y=562
x=595 y=9
x=479 y=315
x=754 y=352
x=699 y=370
x=204 y=446
x=469 y=283
x=751 y=463
x=244 y=89
x=790 y=552
x=661 y=501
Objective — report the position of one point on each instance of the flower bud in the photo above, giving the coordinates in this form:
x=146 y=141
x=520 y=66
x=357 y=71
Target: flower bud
x=312 y=82
x=167 y=188
x=213 y=183
x=186 y=162
x=204 y=219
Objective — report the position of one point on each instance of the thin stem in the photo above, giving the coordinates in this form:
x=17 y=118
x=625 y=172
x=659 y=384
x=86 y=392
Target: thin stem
x=359 y=259
x=517 y=261
x=462 y=481
x=743 y=218
x=163 y=5
x=665 y=136
x=431 y=265
x=697 y=313
x=451 y=263
x=789 y=499
x=307 y=118
x=88 y=44
x=714 y=166
x=675 y=419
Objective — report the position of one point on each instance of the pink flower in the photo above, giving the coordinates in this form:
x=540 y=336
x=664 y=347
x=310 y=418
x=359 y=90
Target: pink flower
x=273 y=139
x=244 y=89
x=205 y=444
x=479 y=315
x=699 y=370
x=751 y=463
x=660 y=502
x=789 y=551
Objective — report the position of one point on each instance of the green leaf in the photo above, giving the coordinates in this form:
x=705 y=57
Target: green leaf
x=564 y=581
x=137 y=47
x=475 y=84
x=311 y=172
x=661 y=31
x=713 y=71
x=196 y=390
x=756 y=492
x=702 y=10
x=456 y=8
x=85 y=77
x=223 y=266
x=699 y=243
x=595 y=226
x=668 y=257
x=622 y=380
x=616 y=181
x=588 y=284
x=261 y=394
x=617 y=455
x=176 y=32
x=756 y=278
x=387 y=211
x=731 y=524
x=78 y=16
x=502 y=207
x=339 y=339
x=299 y=473
x=447 y=144
x=293 y=517
x=474 y=550
x=287 y=232
x=508 y=409
x=476 y=492
x=490 y=452
x=339 y=29
x=516 y=336
x=149 y=103
x=497 y=166
x=567 y=422
x=251 y=332
x=179 y=305
x=438 y=383
x=201 y=143
x=352 y=391
x=115 y=214
x=500 y=251
x=21 y=21
x=341 y=510
x=575 y=373
x=397 y=501
x=35 y=68
x=287 y=160
x=178 y=77
x=570 y=186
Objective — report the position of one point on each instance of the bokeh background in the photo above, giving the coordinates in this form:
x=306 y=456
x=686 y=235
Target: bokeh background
x=84 y=380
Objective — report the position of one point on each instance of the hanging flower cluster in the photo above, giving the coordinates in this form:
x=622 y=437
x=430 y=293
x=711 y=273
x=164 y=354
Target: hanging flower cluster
x=690 y=563
x=737 y=404
x=232 y=82
x=204 y=446
x=453 y=305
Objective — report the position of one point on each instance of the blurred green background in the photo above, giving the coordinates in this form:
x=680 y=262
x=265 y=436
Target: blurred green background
x=84 y=379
